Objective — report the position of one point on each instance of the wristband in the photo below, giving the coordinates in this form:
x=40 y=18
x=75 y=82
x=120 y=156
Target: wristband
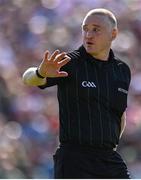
x=39 y=75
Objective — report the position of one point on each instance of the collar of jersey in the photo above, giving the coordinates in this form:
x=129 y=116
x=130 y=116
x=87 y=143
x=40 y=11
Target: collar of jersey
x=89 y=57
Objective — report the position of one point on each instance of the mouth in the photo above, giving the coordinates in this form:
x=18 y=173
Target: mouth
x=89 y=43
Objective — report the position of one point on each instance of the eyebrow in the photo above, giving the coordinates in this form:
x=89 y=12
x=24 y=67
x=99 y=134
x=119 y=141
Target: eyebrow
x=95 y=25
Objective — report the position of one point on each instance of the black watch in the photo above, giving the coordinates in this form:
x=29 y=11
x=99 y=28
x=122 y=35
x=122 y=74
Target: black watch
x=38 y=74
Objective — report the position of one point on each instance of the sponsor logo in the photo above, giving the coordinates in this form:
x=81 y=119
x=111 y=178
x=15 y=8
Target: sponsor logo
x=123 y=90
x=88 y=84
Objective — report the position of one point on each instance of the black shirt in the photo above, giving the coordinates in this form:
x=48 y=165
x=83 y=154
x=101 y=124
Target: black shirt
x=92 y=99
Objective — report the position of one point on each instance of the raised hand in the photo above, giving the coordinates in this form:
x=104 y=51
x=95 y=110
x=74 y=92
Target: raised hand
x=50 y=66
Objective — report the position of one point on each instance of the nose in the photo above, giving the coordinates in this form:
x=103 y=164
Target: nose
x=89 y=34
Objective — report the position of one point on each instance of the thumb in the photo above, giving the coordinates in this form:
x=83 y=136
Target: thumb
x=62 y=74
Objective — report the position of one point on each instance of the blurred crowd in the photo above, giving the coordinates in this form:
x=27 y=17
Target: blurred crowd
x=29 y=116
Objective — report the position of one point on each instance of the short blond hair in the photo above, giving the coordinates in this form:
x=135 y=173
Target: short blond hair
x=103 y=12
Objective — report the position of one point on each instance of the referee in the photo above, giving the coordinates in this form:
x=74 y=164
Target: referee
x=92 y=93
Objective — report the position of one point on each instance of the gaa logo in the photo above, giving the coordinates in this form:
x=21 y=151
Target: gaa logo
x=88 y=84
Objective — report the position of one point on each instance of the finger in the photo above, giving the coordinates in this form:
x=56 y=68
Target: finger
x=46 y=55
x=53 y=56
x=62 y=74
x=60 y=57
x=64 y=61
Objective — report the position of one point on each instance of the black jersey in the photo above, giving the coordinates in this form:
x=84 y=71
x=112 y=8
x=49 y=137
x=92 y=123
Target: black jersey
x=92 y=99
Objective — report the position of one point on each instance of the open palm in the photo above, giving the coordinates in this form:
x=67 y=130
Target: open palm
x=50 y=66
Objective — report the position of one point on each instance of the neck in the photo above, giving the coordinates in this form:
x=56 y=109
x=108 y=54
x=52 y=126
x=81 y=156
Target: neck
x=103 y=56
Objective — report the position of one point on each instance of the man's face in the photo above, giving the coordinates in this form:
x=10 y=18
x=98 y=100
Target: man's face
x=97 y=34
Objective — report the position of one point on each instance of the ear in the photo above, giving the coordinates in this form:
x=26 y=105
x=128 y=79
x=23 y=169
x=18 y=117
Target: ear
x=114 y=33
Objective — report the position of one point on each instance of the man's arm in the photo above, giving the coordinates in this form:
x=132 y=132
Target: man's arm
x=31 y=78
x=49 y=67
x=123 y=123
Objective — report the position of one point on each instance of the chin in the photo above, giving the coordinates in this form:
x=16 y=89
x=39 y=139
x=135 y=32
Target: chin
x=90 y=50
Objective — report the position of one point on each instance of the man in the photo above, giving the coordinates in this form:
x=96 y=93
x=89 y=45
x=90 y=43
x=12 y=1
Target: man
x=92 y=93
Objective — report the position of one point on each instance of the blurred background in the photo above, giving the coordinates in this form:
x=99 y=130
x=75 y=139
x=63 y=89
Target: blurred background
x=28 y=115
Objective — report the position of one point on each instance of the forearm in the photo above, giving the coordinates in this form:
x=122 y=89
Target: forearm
x=123 y=123
x=30 y=77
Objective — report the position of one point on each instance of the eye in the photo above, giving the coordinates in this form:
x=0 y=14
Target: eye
x=96 y=29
